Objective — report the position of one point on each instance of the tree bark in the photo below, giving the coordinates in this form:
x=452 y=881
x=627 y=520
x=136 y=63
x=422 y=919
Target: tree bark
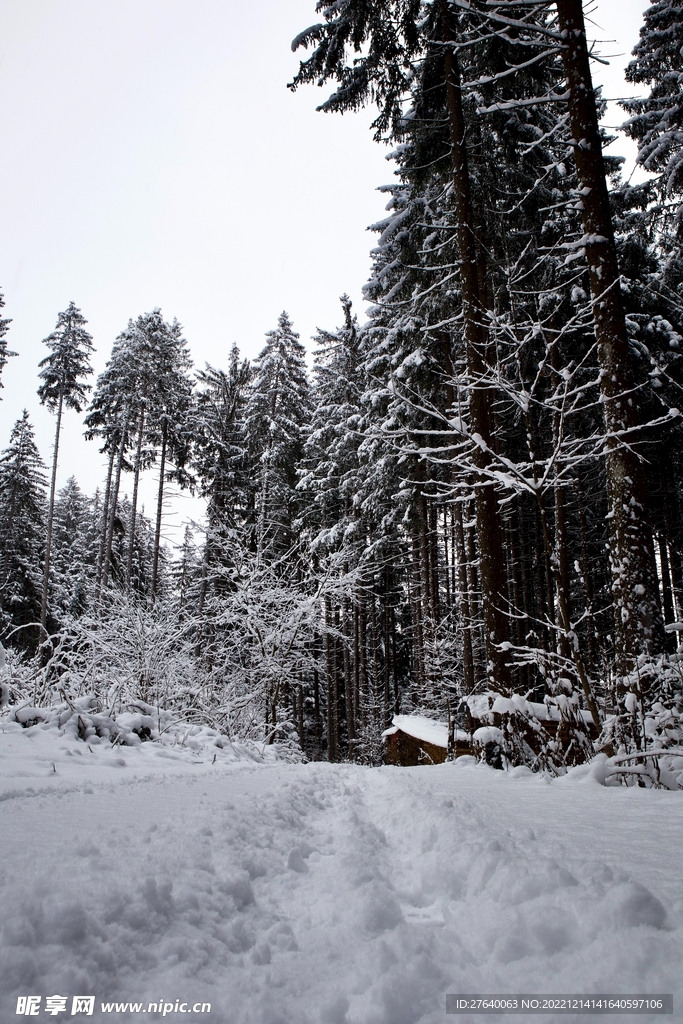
x=638 y=622
x=465 y=611
x=160 y=502
x=489 y=537
x=667 y=592
x=114 y=500
x=50 y=521
x=105 y=523
x=134 y=501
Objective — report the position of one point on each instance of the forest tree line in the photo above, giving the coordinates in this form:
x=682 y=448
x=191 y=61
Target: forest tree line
x=477 y=491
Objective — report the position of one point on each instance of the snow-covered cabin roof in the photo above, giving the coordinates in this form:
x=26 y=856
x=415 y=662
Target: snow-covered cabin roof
x=425 y=729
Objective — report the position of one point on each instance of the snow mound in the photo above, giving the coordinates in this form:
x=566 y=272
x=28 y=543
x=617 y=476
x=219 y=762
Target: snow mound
x=80 y=741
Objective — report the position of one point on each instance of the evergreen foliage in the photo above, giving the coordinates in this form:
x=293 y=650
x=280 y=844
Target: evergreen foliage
x=656 y=121
x=62 y=373
x=22 y=535
x=277 y=410
x=5 y=353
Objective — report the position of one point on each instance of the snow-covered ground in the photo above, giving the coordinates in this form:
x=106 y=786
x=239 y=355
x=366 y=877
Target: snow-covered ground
x=325 y=894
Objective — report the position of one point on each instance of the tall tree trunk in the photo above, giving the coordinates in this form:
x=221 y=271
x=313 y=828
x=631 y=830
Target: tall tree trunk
x=463 y=589
x=571 y=640
x=489 y=537
x=331 y=679
x=386 y=708
x=348 y=680
x=317 y=717
x=356 y=669
x=418 y=644
x=472 y=564
x=160 y=502
x=587 y=574
x=50 y=520
x=134 y=501
x=434 y=560
x=667 y=592
x=105 y=522
x=114 y=499
x=363 y=687
x=516 y=590
x=638 y=621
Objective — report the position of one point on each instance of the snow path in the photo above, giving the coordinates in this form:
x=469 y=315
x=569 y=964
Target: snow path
x=322 y=894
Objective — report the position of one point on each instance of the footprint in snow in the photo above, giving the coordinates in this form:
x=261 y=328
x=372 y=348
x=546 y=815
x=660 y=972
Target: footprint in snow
x=295 y=862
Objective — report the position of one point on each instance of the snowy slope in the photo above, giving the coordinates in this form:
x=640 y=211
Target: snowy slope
x=335 y=894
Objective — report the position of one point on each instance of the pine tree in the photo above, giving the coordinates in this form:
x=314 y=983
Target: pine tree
x=112 y=409
x=330 y=456
x=169 y=409
x=5 y=354
x=62 y=375
x=74 y=551
x=656 y=121
x=219 y=457
x=277 y=411
x=141 y=401
x=22 y=535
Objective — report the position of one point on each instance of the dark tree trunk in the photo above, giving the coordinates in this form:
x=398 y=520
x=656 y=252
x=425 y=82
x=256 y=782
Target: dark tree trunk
x=489 y=535
x=587 y=574
x=463 y=589
x=160 y=503
x=134 y=501
x=105 y=522
x=114 y=500
x=638 y=622
x=331 y=679
x=667 y=592
x=418 y=631
x=50 y=520
x=317 y=717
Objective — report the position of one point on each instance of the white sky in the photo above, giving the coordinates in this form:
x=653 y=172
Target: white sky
x=153 y=156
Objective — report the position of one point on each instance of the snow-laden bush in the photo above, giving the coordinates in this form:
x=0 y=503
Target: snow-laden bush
x=133 y=724
x=641 y=742
x=644 y=734
x=133 y=659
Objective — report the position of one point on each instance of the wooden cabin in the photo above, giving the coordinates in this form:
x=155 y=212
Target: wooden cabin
x=413 y=740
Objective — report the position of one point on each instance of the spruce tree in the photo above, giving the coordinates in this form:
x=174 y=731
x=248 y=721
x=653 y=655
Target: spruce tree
x=169 y=408
x=62 y=374
x=330 y=455
x=219 y=460
x=22 y=535
x=277 y=411
x=73 y=551
x=4 y=351
x=112 y=410
x=141 y=402
x=656 y=121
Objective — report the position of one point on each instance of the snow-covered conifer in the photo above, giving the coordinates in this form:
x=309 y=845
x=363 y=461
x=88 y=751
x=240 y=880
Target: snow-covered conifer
x=656 y=121
x=22 y=535
x=4 y=351
x=219 y=461
x=73 y=552
x=278 y=409
x=62 y=375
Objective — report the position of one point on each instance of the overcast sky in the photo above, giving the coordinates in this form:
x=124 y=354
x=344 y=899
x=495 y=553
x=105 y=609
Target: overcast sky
x=153 y=156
